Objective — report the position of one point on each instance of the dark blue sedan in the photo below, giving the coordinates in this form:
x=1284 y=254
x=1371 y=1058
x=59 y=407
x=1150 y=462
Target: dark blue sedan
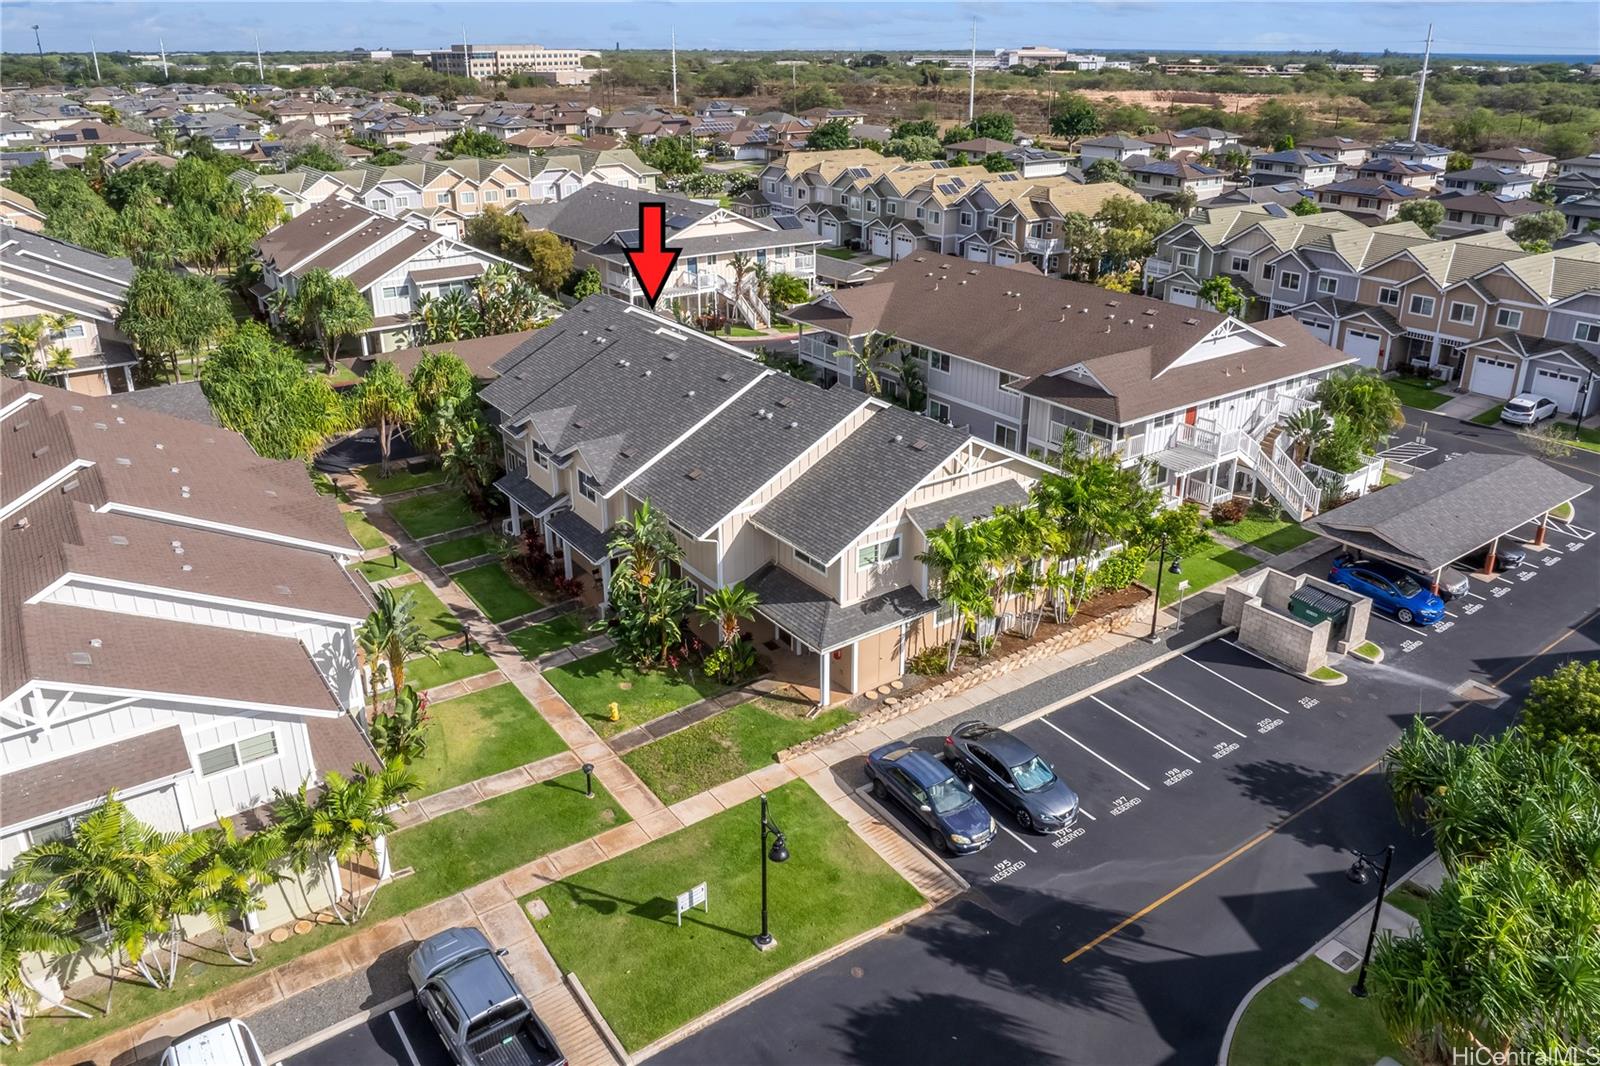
x=1395 y=593
x=951 y=816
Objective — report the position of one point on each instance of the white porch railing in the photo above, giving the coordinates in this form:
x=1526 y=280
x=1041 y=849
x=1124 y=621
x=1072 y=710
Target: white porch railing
x=1287 y=483
x=1157 y=268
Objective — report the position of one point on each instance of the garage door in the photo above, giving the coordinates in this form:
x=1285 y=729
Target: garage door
x=1559 y=385
x=1365 y=346
x=880 y=243
x=978 y=253
x=904 y=245
x=830 y=230
x=1005 y=258
x=1493 y=377
x=1321 y=330
x=1183 y=297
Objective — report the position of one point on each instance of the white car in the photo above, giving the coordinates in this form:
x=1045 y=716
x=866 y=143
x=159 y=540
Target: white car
x=225 y=1043
x=1527 y=409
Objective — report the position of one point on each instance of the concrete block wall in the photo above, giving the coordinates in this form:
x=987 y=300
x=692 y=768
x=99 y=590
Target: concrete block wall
x=1286 y=641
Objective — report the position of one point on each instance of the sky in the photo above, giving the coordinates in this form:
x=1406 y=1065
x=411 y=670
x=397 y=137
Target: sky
x=1533 y=27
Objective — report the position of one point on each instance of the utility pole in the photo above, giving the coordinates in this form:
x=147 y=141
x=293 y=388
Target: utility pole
x=972 y=75
x=1422 y=82
x=95 y=53
x=163 y=56
x=261 y=73
x=674 y=68
x=36 y=42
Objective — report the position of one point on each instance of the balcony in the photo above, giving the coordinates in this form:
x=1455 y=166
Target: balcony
x=1043 y=245
x=1157 y=268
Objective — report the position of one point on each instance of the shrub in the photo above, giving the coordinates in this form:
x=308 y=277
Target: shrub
x=731 y=663
x=929 y=663
x=1119 y=571
x=402 y=733
x=1230 y=512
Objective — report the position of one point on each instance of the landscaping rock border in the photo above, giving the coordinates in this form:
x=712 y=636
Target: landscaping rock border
x=1091 y=630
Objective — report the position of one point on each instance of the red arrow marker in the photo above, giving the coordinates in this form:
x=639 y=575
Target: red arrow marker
x=652 y=260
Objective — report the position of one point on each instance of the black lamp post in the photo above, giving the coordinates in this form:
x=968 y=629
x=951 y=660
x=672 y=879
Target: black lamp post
x=1583 y=403
x=588 y=780
x=778 y=853
x=1358 y=873
x=1161 y=567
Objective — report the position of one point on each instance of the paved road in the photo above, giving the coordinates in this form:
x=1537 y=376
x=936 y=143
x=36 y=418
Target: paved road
x=1225 y=797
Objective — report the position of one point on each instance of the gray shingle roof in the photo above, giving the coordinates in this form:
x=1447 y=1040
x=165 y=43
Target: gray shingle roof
x=823 y=624
x=1441 y=514
x=37 y=253
x=870 y=471
x=748 y=444
x=583 y=392
x=589 y=541
x=530 y=497
x=184 y=399
x=969 y=506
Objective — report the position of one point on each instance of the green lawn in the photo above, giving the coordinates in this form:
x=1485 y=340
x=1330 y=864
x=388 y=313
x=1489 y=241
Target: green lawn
x=437 y=620
x=423 y=673
x=498 y=595
x=1410 y=898
x=1491 y=417
x=381 y=567
x=367 y=535
x=468 y=547
x=741 y=331
x=613 y=924
x=1271 y=534
x=1212 y=563
x=449 y=853
x=1278 y=1030
x=433 y=512
x=592 y=683
x=837 y=253
x=735 y=742
x=480 y=734
x=400 y=478
x=1413 y=392
x=546 y=637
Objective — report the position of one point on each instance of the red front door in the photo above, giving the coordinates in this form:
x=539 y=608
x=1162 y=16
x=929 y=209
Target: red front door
x=1188 y=416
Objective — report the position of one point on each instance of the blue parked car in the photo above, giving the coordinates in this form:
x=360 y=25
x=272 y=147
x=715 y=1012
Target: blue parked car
x=952 y=816
x=1397 y=593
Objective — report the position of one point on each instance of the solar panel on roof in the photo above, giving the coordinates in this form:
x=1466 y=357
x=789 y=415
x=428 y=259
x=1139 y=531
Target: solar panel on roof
x=1011 y=177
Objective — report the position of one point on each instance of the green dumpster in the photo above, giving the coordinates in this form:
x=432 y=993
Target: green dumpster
x=1312 y=605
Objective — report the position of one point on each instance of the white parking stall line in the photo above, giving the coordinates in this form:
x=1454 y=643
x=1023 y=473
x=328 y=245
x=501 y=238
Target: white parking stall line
x=1554 y=551
x=1236 y=684
x=1087 y=815
x=1152 y=732
x=1191 y=706
x=1571 y=530
x=1475 y=596
x=1018 y=839
x=1096 y=754
x=1452 y=614
x=405 y=1041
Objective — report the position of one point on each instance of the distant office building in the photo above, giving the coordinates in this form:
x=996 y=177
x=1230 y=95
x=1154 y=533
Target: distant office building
x=501 y=60
x=1035 y=55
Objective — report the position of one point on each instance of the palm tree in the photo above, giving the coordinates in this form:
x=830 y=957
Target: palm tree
x=34 y=922
x=1366 y=401
x=1023 y=537
x=23 y=337
x=384 y=400
x=390 y=634
x=957 y=556
x=1306 y=428
x=727 y=607
x=232 y=874
x=741 y=263
x=643 y=543
x=305 y=831
x=880 y=350
x=351 y=817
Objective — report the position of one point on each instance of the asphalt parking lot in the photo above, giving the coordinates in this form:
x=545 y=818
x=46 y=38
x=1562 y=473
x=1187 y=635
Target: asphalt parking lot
x=401 y=1035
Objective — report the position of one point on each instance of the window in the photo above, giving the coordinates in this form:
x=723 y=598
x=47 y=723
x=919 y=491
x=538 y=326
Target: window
x=1466 y=314
x=588 y=488
x=1188 y=259
x=939 y=412
x=939 y=361
x=1327 y=286
x=1005 y=436
x=805 y=560
x=872 y=206
x=393 y=292
x=380 y=205
x=74 y=330
x=239 y=753
x=772 y=187
x=1290 y=280
x=541 y=458
x=1508 y=319
x=1006 y=380
x=966 y=218
x=1388 y=297
x=1240 y=264
x=1588 y=332
x=469 y=197
x=1422 y=305
x=401 y=200
x=490 y=196
x=885 y=551
x=891 y=208
x=936 y=216
x=1267 y=272
x=920 y=212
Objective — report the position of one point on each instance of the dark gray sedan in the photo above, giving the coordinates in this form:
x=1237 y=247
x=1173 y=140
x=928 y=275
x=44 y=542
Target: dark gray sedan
x=1013 y=775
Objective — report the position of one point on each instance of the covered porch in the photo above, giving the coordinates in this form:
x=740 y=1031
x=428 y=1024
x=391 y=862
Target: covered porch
x=581 y=548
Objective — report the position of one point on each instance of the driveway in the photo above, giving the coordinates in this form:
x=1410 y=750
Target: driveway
x=402 y=1036
x=1221 y=800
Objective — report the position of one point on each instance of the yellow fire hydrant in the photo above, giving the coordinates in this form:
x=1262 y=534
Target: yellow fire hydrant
x=616 y=715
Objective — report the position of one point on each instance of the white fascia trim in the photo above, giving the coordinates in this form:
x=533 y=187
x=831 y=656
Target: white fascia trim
x=117 y=692
x=44 y=486
x=113 y=507
x=117 y=286
x=163 y=592
x=44 y=298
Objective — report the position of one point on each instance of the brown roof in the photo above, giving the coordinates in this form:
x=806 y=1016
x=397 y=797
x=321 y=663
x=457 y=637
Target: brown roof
x=328 y=222
x=480 y=354
x=338 y=744
x=32 y=792
x=373 y=270
x=459 y=272
x=1035 y=326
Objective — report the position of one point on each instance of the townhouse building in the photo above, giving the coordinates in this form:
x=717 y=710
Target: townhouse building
x=393 y=264
x=601 y=222
x=1367 y=198
x=1415 y=175
x=1497 y=180
x=80 y=138
x=1160 y=178
x=817 y=499
x=1215 y=139
x=1034 y=363
x=1420 y=152
x=1308 y=168
x=1481 y=212
x=1115 y=147
x=1536 y=165
x=1348 y=152
x=82 y=293
x=178 y=621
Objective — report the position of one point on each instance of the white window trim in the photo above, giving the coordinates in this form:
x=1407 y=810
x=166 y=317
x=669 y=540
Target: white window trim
x=1508 y=318
x=1412 y=305
x=1283 y=280
x=238 y=760
x=1471 y=309
x=878 y=549
x=1327 y=286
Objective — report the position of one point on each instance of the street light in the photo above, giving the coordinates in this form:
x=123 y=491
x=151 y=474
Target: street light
x=588 y=780
x=779 y=852
x=1161 y=567
x=1358 y=874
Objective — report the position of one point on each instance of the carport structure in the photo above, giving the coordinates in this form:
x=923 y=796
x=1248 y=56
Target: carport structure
x=1436 y=517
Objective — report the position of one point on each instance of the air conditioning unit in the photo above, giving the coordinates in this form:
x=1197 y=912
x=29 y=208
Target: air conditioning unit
x=506 y=529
